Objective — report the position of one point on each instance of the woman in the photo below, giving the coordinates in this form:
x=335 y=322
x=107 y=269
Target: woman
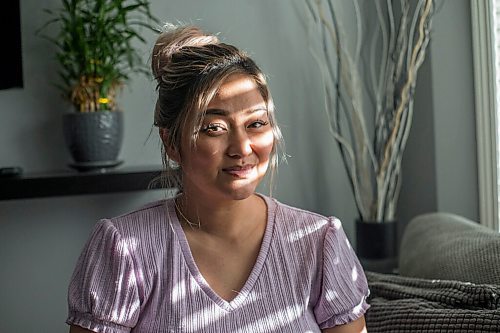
x=218 y=257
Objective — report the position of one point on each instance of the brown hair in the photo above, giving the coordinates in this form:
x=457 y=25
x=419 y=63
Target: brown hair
x=189 y=66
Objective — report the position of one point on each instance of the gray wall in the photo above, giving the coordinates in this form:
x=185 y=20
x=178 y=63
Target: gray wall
x=440 y=164
x=41 y=238
x=453 y=106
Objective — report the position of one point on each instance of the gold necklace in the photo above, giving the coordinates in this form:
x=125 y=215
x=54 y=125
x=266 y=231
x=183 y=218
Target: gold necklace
x=191 y=224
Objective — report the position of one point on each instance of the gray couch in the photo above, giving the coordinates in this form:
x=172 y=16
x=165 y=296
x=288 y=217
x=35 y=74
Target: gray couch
x=448 y=279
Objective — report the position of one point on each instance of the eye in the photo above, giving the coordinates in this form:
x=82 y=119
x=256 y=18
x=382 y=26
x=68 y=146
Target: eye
x=258 y=124
x=213 y=128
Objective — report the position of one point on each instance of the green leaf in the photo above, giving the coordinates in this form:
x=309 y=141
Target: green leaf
x=95 y=38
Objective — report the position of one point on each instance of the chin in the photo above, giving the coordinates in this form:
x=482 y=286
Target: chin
x=241 y=193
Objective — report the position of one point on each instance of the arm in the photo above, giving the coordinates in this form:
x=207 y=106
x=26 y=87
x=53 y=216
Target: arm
x=357 y=326
x=349 y=285
x=104 y=283
x=78 y=329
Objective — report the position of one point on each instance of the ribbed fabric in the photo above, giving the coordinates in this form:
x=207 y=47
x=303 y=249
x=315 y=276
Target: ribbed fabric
x=137 y=274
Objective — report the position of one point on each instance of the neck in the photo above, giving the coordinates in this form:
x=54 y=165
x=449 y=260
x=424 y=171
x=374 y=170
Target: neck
x=227 y=219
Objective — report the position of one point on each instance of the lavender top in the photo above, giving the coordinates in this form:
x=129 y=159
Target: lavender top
x=137 y=274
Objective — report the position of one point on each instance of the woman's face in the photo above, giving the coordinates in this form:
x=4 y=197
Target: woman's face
x=232 y=152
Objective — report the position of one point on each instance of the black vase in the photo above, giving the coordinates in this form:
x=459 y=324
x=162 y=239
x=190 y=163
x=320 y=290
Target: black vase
x=94 y=137
x=376 y=240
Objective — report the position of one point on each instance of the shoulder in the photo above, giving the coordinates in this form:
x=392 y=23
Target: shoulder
x=301 y=220
x=143 y=233
x=145 y=218
x=150 y=210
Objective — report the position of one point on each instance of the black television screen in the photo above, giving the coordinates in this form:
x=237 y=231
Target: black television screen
x=11 y=65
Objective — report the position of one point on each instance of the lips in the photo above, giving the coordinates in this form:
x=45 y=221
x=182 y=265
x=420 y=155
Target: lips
x=240 y=171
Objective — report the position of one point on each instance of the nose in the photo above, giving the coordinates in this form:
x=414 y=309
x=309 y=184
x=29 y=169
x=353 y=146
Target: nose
x=240 y=144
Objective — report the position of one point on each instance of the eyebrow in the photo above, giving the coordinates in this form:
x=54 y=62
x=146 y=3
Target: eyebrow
x=222 y=112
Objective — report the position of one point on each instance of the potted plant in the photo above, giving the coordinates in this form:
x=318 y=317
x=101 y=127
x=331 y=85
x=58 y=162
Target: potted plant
x=96 y=54
x=369 y=98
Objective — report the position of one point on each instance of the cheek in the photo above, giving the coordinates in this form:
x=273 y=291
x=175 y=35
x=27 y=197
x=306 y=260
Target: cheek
x=263 y=145
x=203 y=155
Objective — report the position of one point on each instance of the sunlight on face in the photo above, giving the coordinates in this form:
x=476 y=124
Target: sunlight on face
x=231 y=154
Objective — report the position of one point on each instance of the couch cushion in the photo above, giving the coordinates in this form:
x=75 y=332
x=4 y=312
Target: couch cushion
x=450 y=247
x=403 y=304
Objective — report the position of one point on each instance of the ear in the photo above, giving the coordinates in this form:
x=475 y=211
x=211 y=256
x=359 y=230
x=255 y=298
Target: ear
x=171 y=151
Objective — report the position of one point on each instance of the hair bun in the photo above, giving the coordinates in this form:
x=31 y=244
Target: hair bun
x=172 y=40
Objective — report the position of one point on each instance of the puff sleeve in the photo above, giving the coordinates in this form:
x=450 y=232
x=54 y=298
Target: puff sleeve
x=344 y=288
x=103 y=292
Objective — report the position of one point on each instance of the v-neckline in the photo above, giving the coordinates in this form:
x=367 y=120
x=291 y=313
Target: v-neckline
x=200 y=279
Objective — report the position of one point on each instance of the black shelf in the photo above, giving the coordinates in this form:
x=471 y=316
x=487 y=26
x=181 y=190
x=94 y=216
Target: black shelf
x=64 y=183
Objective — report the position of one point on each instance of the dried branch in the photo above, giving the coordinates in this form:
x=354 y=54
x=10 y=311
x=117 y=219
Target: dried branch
x=373 y=163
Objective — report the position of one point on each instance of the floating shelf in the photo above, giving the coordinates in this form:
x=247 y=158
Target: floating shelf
x=64 y=183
